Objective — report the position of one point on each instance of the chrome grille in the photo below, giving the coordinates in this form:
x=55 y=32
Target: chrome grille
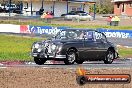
x=35 y=50
x=50 y=50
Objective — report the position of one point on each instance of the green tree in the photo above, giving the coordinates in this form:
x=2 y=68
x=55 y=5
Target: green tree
x=103 y=7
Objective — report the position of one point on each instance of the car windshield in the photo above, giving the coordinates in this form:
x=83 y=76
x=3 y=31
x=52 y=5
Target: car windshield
x=70 y=34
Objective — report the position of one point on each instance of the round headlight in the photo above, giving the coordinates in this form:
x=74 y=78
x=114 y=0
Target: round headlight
x=36 y=45
x=46 y=44
x=39 y=50
x=53 y=47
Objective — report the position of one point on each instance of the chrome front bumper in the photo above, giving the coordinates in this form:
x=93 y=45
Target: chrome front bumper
x=48 y=56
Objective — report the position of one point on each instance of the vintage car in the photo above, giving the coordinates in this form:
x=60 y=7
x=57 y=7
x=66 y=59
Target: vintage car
x=75 y=45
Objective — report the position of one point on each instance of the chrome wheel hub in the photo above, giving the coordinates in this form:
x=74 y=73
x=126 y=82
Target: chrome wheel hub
x=110 y=56
x=71 y=57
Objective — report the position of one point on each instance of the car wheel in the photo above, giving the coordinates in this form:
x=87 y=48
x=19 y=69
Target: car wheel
x=79 y=61
x=39 y=61
x=109 y=57
x=70 y=58
x=81 y=80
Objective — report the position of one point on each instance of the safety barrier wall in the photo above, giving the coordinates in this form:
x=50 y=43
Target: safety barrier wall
x=53 y=30
x=10 y=28
x=116 y=33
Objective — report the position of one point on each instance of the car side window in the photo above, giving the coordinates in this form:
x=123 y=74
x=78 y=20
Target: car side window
x=89 y=35
x=81 y=35
x=99 y=36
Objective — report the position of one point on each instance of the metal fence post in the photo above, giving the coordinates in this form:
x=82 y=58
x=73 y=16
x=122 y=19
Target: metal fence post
x=9 y=7
x=94 y=11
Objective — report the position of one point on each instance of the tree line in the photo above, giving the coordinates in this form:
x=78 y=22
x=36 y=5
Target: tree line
x=103 y=7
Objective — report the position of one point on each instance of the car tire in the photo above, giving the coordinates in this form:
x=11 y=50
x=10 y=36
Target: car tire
x=109 y=57
x=79 y=61
x=70 y=57
x=39 y=61
x=81 y=80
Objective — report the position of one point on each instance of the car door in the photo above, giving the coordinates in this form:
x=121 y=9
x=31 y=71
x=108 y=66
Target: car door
x=94 y=45
x=80 y=44
x=100 y=42
x=90 y=46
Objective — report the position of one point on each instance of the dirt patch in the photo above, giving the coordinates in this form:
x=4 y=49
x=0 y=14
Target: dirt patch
x=24 y=77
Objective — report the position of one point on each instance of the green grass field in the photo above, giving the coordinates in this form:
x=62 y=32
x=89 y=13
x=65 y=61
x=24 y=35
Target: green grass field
x=15 y=47
x=41 y=23
x=18 y=48
x=125 y=52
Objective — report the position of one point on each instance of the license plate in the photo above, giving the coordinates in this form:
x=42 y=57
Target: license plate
x=35 y=55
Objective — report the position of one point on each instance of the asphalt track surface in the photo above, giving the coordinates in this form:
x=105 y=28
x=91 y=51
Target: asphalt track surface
x=119 y=63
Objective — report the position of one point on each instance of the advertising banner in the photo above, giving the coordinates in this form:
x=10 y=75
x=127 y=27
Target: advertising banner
x=116 y=33
x=24 y=29
x=45 y=29
x=110 y=33
x=53 y=30
x=9 y=28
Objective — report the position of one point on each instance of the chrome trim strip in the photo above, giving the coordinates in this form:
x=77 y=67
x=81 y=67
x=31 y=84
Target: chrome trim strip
x=57 y=56
x=34 y=54
x=60 y=56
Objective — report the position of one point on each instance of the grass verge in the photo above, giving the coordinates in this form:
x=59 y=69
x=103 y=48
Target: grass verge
x=15 y=47
x=125 y=52
x=41 y=23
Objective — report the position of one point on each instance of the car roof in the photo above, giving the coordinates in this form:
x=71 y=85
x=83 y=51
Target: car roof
x=82 y=29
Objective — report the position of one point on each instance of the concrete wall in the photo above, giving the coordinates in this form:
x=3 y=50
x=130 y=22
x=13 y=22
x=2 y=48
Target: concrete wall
x=60 y=8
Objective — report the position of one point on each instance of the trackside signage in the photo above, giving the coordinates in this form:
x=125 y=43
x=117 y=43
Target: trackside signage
x=108 y=32
x=45 y=29
x=53 y=30
x=9 y=28
x=116 y=33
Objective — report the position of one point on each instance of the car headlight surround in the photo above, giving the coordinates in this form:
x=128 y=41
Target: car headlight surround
x=39 y=50
x=36 y=45
x=46 y=44
x=53 y=47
